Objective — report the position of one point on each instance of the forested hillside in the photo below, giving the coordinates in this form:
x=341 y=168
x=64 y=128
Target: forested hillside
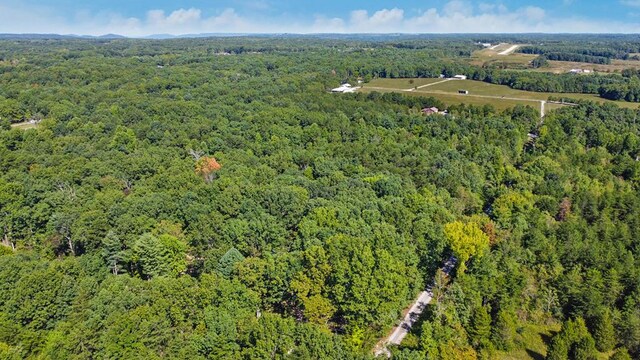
x=210 y=199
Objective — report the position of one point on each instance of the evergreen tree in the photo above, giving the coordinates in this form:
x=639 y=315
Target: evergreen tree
x=227 y=262
x=572 y=342
x=504 y=329
x=159 y=256
x=113 y=253
x=480 y=330
x=603 y=331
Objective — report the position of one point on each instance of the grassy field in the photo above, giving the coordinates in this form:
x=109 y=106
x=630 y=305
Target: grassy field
x=401 y=83
x=482 y=88
x=516 y=61
x=488 y=57
x=480 y=93
x=533 y=341
x=560 y=67
x=454 y=99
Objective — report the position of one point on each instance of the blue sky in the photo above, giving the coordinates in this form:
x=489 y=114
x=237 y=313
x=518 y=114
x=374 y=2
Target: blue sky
x=143 y=17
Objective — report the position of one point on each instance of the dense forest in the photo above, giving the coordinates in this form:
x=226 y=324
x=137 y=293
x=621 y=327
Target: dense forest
x=210 y=199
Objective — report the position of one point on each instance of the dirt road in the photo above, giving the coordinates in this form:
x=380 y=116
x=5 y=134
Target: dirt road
x=509 y=50
x=427 y=85
x=416 y=309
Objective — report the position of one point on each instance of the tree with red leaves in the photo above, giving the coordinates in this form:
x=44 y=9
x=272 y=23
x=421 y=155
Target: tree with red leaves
x=207 y=167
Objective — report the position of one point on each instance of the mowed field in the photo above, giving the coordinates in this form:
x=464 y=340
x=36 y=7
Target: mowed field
x=559 y=67
x=488 y=57
x=517 y=61
x=454 y=99
x=402 y=83
x=480 y=93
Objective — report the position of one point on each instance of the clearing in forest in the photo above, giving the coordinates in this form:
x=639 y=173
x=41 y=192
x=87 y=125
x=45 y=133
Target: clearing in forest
x=481 y=93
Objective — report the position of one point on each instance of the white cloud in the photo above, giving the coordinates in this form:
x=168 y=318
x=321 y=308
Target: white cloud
x=385 y=20
x=457 y=16
x=176 y=18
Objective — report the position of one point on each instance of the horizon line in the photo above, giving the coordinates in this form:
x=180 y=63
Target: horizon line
x=213 y=34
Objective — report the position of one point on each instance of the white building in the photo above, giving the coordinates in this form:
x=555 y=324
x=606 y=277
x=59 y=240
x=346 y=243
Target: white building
x=344 y=88
x=460 y=77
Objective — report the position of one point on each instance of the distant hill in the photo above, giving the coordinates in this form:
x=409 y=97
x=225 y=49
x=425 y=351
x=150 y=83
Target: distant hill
x=202 y=35
x=59 y=36
x=111 y=36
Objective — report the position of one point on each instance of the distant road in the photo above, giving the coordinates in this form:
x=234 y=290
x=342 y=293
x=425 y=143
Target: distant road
x=509 y=50
x=416 y=309
x=427 y=85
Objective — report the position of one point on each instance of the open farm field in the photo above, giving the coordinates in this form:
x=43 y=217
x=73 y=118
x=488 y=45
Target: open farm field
x=454 y=99
x=560 y=67
x=481 y=93
x=517 y=61
x=403 y=83
x=493 y=57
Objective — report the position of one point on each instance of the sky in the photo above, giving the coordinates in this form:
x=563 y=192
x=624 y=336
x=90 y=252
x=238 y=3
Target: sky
x=146 y=17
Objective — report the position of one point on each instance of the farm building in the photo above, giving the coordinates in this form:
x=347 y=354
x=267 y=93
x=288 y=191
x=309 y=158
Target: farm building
x=344 y=88
x=460 y=77
x=430 y=111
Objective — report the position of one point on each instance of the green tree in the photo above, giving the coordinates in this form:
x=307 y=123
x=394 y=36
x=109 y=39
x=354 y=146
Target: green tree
x=124 y=139
x=504 y=329
x=573 y=342
x=228 y=261
x=428 y=343
x=164 y=255
x=113 y=253
x=466 y=240
x=603 y=331
x=621 y=354
x=480 y=330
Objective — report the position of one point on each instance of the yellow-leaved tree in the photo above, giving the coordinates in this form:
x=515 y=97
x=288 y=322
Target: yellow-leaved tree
x=466 y=240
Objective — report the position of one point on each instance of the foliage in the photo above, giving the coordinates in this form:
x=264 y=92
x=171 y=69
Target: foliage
x=573 y=342
x=331 y=212
x=466 y=240
x=207 y=167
